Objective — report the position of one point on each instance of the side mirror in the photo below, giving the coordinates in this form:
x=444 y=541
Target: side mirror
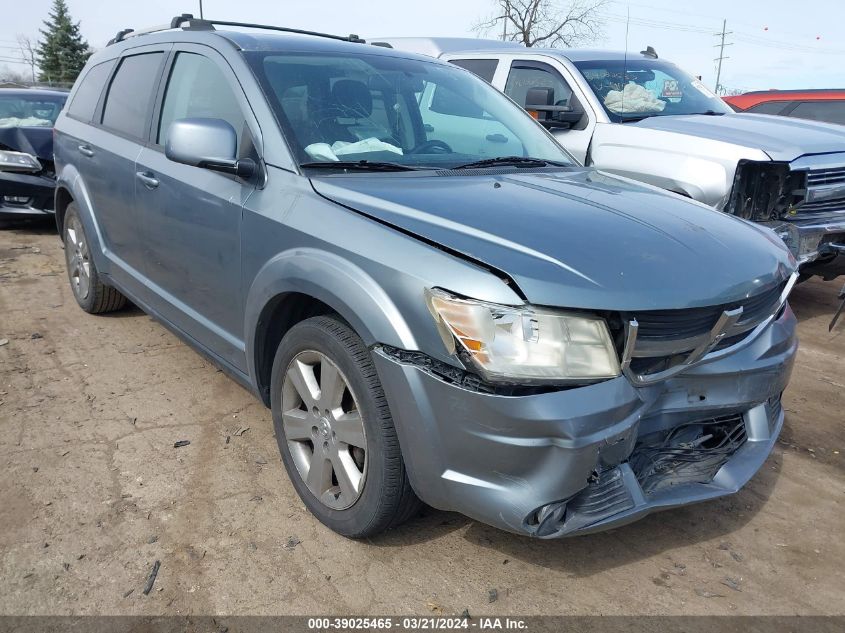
x=207 y=143
x=540 y=104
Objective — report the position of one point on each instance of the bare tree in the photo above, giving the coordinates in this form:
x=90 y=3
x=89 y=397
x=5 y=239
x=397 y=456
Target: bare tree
x=548 y=23
x=12 y=76
x=28 y=54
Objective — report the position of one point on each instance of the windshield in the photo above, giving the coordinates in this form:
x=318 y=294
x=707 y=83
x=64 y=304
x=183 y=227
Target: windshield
x=639 y=88
x=20 y=110
x=407 y=112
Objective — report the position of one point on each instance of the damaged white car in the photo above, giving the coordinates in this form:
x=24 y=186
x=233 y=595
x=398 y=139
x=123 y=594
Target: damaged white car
x=639 y=116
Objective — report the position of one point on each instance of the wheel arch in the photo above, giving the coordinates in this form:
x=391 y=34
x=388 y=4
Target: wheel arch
x=301 y=283
x=63 y=198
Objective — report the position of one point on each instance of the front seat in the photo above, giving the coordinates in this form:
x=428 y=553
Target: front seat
x=351 y=102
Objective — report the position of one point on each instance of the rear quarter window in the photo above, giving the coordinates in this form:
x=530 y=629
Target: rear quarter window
x=88 y=93
x=130 y=94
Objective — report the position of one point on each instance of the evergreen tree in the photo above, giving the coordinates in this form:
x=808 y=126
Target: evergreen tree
x=62 y=52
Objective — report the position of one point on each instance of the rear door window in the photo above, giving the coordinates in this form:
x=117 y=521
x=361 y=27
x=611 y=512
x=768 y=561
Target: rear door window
x=131 y=93
x=88 y=94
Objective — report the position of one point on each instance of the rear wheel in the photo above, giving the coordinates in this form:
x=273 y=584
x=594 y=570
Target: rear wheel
x=90 y=293
x=335 y=432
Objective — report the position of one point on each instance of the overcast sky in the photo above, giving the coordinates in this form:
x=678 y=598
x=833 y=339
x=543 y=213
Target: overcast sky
x=776 y=44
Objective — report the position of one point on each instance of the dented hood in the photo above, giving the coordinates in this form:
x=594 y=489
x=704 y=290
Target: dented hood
x=576 y=238
x=782 y=138
x=37 y=141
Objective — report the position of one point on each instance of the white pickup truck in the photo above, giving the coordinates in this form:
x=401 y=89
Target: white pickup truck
x=639 y=116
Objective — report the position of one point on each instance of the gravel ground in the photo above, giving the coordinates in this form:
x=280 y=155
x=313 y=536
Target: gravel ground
x=93 y=492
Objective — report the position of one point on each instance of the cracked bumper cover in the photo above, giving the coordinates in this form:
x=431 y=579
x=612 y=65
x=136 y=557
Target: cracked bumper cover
x=499 y=459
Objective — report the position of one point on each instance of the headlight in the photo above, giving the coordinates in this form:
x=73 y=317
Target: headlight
x=524 y=344
x=18 y=161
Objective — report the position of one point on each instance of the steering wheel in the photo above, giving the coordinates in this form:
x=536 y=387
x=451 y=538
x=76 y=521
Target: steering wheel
x=431 y=147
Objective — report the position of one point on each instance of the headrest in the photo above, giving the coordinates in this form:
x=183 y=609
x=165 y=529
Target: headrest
x=353 y=98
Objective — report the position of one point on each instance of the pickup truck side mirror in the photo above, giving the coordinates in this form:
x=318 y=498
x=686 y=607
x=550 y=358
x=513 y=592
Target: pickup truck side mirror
x=207 y=143
x=540 y=104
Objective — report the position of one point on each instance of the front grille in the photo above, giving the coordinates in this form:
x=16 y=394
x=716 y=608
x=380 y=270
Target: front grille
x=824 y=177
x=692 y=323
x=819 y=180
x=690 y=453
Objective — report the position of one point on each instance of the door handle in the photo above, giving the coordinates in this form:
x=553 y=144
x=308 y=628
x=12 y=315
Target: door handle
x=150 y=181
x=86 y=150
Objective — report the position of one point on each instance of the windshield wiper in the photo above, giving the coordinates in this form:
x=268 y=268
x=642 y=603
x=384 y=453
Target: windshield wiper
x=512 y=161
x=361 y=165
x=711 y=113
x=634 y=119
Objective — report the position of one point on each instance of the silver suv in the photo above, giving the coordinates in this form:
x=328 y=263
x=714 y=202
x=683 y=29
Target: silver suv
x=502 y=333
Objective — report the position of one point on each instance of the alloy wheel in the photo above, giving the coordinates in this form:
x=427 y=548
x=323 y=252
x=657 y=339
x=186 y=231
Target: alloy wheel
x=78 y=258
x=324 y=430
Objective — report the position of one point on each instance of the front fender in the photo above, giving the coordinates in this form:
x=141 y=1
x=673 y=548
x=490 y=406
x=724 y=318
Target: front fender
x=338 y=283
x=700 y=168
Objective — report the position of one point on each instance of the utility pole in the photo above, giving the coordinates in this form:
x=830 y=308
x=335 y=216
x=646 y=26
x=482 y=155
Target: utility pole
x=505 y=21
x=200 y=9
x=721 y=47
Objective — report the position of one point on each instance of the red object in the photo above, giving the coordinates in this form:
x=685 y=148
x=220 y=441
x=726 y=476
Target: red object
x=751 y=99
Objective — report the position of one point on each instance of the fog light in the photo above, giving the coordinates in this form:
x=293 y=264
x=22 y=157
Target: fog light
x=17 y=200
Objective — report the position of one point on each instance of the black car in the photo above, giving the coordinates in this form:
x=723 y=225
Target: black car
x=27 y=176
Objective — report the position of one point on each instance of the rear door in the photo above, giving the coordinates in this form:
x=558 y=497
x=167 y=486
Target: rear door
x=192 y=216
x=107 y=158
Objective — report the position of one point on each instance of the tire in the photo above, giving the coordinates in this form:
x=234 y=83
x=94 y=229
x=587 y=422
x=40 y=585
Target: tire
x=308 y=412
x=90 y=293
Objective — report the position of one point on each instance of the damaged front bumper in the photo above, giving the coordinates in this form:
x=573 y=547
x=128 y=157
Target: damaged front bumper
x=818 y=245
x=589 y=458
x=26 y=194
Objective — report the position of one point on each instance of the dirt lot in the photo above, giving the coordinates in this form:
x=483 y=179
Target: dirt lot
x=92 y=492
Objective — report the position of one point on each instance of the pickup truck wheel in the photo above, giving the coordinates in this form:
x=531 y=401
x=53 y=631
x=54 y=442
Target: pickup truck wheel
x=90 y=293
x=335 y=431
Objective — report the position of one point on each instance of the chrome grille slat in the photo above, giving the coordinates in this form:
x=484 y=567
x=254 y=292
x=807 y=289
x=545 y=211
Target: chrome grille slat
x=826 y=177
x=824 y=192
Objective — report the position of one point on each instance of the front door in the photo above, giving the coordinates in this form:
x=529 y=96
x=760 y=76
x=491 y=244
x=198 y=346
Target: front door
x=192 y=216
x=527 y=74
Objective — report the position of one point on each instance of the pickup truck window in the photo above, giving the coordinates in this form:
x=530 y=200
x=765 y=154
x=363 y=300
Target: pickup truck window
x=384 y=109
x=634 y=89
x=522 y=78
x=484 y=68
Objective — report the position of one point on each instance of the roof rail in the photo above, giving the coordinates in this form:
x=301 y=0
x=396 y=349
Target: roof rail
x=188 y=22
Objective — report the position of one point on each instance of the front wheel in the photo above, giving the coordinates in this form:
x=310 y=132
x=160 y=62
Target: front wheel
x=335 y=431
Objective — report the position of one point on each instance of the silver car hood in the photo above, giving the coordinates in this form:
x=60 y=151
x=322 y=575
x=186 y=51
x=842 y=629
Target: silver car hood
x=576 y=238
x=782 y=138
